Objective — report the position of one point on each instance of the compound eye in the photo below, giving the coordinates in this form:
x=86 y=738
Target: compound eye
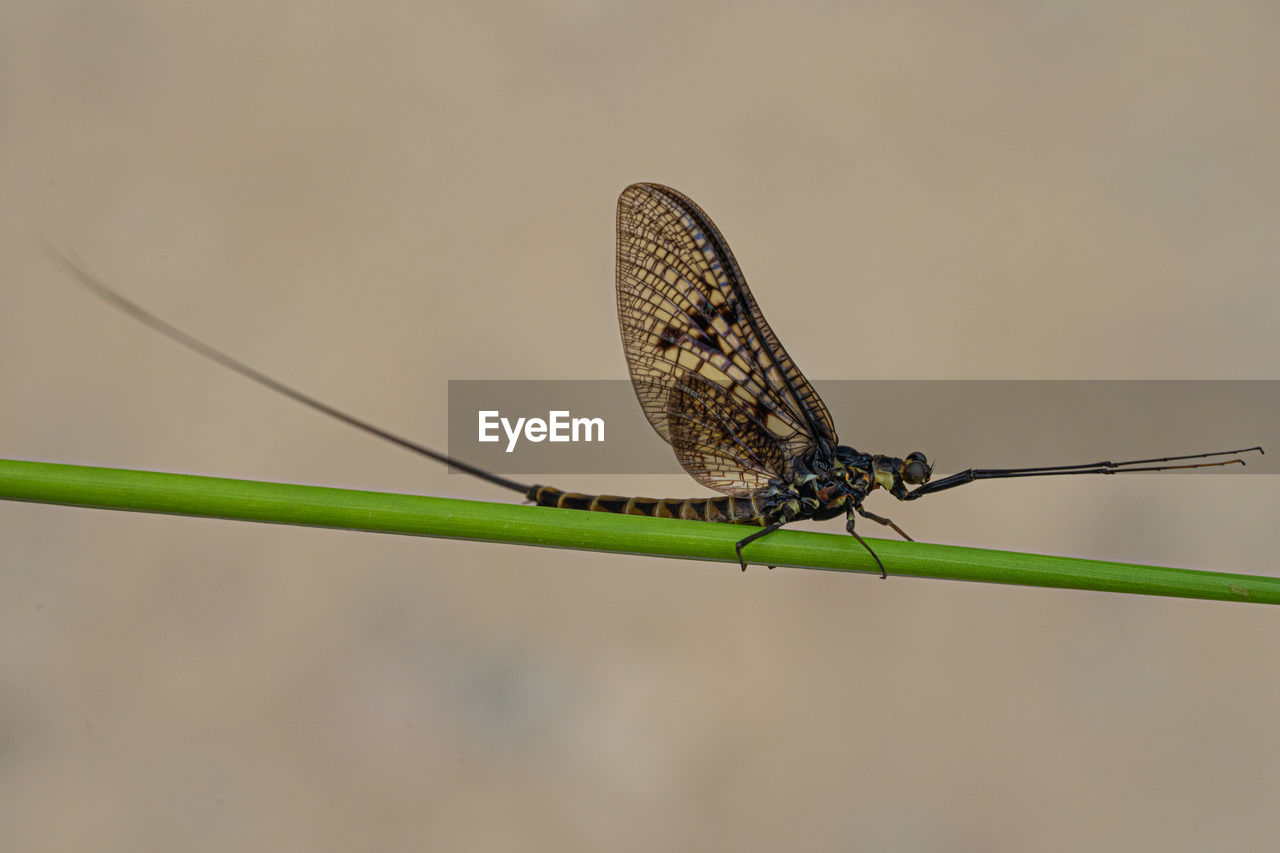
x=916 y=471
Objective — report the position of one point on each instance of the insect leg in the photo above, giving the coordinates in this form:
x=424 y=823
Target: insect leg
x=763 y=531
x=880 y=519
x=849 y=527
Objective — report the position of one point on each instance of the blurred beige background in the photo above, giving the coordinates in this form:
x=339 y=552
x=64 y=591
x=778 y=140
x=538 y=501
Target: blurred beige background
x=366 y=203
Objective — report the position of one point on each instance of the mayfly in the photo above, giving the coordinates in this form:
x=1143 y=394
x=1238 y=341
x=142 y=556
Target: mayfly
x=717 y=385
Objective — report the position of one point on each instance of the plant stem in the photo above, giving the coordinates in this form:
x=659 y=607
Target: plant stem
x=315 y=506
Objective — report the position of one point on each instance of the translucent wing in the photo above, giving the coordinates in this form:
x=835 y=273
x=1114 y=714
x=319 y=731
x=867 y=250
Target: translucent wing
x=698 y=347
x=719 y=440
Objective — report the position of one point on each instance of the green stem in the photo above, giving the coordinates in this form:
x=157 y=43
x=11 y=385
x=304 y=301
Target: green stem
x=314 y=506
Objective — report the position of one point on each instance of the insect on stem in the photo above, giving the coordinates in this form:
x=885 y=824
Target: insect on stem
x=715 y=383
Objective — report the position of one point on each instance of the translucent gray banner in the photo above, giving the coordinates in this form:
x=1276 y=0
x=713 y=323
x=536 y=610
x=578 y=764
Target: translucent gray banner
x=958 y=424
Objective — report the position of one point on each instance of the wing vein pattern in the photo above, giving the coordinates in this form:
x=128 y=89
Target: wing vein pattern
x=710 y=374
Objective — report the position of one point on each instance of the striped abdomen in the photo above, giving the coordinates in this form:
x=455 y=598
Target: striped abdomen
x=724 y=510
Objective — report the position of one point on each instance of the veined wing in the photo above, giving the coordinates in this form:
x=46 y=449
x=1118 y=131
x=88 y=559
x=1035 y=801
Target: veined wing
x=718 y=439
x=689 y=322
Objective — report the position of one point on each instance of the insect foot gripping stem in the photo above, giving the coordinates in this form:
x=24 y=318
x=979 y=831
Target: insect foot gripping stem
x=764 y=531
x=849 y=527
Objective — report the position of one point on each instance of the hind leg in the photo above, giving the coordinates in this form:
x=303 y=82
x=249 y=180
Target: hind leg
x=762 y=532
